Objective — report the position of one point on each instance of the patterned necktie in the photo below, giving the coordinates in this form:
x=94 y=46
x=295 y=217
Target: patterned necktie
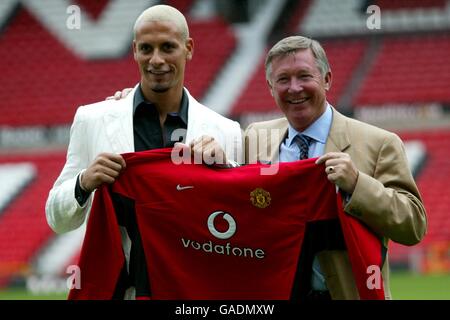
x=303 y=143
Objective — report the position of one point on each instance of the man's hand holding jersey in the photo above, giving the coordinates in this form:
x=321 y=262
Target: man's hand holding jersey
x=104 y=169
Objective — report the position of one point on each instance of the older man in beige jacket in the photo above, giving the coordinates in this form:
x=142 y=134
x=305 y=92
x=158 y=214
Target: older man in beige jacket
x=367 y=164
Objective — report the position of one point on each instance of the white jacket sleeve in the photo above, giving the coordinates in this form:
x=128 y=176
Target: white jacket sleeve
x=62 y=210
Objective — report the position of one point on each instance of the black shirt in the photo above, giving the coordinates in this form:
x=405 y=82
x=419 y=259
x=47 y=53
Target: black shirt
x=148 y=133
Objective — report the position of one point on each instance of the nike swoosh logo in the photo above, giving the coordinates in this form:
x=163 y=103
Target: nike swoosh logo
x=179 y=187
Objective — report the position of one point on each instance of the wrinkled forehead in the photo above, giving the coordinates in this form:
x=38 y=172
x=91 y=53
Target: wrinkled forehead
x=300 y=59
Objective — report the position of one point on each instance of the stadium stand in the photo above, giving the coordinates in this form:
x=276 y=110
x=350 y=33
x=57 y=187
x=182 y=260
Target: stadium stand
x=23 y=228
x=210 y=55
x=408 y=69
x=402 y=4
x=182 y=5
x=349 y=18
x=49 y=70
x=297 y=14
x=14 y=177
x=93 y=8
x=69 y=80
x=432 y=180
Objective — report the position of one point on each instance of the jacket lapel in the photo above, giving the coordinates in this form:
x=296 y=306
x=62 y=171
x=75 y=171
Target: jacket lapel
x=118 y=121
x=193 y=118
x=338 y=139
x=198 y=121
x=280 y=135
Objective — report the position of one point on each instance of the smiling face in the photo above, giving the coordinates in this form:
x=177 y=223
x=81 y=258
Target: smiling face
x=298 y=87
x=161 y=53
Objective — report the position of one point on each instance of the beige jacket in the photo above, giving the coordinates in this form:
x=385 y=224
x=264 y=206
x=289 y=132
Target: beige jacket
x=386 y=197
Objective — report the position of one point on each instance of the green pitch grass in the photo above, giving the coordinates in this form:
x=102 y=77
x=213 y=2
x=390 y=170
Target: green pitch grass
x=404 y=286
x=407 y=286
x=23 y=294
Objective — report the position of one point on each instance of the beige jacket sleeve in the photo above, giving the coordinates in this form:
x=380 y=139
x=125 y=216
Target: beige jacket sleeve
x=389 y=202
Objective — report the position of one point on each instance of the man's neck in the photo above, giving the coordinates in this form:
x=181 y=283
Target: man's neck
x=165 y=102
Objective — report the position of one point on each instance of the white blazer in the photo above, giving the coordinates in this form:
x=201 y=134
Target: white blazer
x=107 y=126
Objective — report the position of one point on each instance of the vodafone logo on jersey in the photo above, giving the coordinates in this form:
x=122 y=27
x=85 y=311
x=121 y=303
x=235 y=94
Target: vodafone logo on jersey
x=231 y=225
x=225 y=249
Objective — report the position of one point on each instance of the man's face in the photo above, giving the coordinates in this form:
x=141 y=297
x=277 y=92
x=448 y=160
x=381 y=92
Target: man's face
x=161 y=54
x=298 y=87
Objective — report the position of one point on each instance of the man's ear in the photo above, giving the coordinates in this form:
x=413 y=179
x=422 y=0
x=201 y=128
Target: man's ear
x=327 y=79
x=189 y=48
x=134 y=45
x=270 y=87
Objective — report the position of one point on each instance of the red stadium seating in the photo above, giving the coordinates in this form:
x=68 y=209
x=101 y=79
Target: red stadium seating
x=299 y=12
x=43 y=82
x=182 y=5
x=214 y=43
x=408 y=70
x=434 y=186
x=23 y=227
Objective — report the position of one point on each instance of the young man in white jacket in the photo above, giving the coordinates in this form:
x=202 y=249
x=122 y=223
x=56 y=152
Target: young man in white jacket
x=157 y=106
x=157 y=113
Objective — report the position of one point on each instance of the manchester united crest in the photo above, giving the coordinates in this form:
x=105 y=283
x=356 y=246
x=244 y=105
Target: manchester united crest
x=260 y=198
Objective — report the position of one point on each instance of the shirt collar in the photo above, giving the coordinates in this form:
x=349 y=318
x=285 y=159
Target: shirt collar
x=139 y=99
x=318 y=130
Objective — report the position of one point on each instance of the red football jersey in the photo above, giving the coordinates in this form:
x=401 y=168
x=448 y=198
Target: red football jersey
x=214 y=233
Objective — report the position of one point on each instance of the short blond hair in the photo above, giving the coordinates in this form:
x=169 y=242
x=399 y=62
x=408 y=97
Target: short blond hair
x=164 y=13
x=291 y=45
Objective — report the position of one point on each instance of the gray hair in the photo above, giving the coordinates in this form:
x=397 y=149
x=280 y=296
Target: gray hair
x=164 y=13
x=291 y=45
